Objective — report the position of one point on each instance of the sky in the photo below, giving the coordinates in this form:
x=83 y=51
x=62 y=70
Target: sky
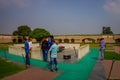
x=60 y=17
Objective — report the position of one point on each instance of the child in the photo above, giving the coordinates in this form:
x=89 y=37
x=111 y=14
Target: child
x=54 y=49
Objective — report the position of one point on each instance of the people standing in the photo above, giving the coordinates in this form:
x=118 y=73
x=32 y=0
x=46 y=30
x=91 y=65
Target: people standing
x=102 y=48
x=26 y=47
x=30 y=47
x=44 y=48
x=50 y=42
x=53 y=50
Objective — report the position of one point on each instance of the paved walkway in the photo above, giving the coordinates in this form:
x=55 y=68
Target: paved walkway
x=33 y=73
x=115 y=74
x=98 y=72
x=102 y=69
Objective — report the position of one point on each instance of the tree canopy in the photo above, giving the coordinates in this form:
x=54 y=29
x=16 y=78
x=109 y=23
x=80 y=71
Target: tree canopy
x=39 y=33
x=22 y=30
x=107 y=30
x=15 y=33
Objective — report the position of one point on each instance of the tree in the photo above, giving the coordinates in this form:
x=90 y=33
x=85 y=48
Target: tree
x=39 y=33
x=24 y=30
x=15 y=33
x=106 y=30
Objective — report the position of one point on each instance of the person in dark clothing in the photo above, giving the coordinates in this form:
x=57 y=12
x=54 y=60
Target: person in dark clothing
x=44 y=48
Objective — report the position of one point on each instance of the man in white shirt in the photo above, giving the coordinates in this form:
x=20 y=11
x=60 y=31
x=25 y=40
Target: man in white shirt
x=30 y=47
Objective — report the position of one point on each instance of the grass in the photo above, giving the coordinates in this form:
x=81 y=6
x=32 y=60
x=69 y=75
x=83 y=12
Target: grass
x=108 y=54
x=109 y=46
x=8 y=68
x=111 y=55
x=4 y=46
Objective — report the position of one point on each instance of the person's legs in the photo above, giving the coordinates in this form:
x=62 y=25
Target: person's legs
x=52 y=64
x=46 y=55
x=50 y=59
x=56 y=64
x=43 y=52
x=27 y=61
x=102 y=54
x=30 y=53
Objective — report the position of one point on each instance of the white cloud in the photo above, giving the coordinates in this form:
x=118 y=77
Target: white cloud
x=18 y=3
x=112 y=6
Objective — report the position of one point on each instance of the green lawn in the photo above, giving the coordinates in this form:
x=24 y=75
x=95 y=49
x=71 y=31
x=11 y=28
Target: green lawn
x=4 y=46
x=111 y=55
x=109 y=46
x=8 y=68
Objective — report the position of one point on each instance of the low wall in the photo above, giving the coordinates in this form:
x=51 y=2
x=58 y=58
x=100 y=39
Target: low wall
x=82 y=51
x=117 y=49
x=18 y=50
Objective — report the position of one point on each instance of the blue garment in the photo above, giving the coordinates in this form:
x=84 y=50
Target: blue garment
x=49 y=43
x=45 y=54
x=27 y=59
x=26 y=44
x=44 y=49
x=54 y=64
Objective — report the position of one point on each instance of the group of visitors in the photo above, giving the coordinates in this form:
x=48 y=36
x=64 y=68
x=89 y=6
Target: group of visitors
x=48 y=46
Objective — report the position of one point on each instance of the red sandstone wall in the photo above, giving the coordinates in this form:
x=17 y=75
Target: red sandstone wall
x=117 y=49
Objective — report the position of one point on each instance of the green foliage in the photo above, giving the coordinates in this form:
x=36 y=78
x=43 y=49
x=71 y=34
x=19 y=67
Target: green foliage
x=24 y=30
x=4 y=46
x=8 y=68
x=39 y=33
x=15 y=33
x=107 y=30
x=112 y=55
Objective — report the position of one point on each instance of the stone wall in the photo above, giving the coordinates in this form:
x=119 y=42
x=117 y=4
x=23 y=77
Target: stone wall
x=117 y=49
x=83 y=51
x=5 y=39
x=70 y=39
x=18 y=50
